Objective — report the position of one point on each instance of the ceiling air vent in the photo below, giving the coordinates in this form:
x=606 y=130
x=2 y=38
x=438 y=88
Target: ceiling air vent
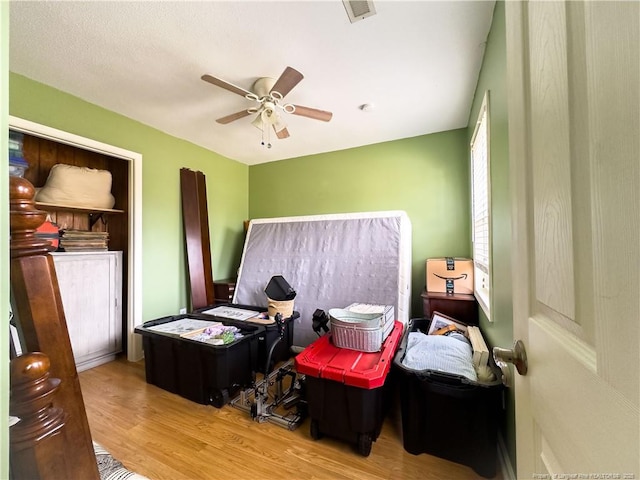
x=359 y=9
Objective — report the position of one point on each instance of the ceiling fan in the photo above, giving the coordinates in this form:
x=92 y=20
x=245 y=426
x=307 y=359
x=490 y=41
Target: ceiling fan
x=269 y=94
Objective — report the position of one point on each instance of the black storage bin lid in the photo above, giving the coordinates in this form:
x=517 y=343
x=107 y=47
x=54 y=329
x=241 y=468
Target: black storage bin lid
x=279 y=289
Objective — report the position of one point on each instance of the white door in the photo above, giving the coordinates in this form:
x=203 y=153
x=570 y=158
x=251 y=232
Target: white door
x=574 y=136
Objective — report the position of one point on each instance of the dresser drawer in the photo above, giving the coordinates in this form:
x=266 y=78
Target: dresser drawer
x=459 y=306
x=223 y=290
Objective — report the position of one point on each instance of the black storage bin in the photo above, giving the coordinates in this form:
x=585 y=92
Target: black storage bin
x=270 y=334
x=446 y=415
x=198 y=371
x=348 y=413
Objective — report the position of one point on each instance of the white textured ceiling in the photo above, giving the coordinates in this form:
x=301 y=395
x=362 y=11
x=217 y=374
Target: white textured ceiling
x=416 y=62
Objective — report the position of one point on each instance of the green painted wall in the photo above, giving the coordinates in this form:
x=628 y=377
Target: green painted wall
x=164 y=274
x=426 y=176
x=493 y=77
x=4 y=239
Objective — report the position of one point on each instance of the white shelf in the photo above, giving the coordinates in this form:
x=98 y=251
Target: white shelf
x=54 y=206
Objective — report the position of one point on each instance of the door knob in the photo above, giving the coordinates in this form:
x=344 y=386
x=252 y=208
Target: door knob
x=516 y=356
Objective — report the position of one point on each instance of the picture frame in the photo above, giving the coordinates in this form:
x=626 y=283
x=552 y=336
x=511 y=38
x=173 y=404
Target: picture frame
x=440 y=320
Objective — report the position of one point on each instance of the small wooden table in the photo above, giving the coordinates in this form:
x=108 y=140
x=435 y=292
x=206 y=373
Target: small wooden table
x=457 y=305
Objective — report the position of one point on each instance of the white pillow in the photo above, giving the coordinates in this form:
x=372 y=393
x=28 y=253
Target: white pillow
x=77 y=187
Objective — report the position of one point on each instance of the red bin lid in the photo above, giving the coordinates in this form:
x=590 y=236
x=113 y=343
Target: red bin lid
x=322 y=359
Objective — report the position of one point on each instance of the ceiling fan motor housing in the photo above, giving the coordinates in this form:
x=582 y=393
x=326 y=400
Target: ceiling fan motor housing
x=263 y=86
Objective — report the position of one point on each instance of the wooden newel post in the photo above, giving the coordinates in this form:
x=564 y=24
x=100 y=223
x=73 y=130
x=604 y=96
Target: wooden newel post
x=37 y=307
x=36 y=440
x=25 y=219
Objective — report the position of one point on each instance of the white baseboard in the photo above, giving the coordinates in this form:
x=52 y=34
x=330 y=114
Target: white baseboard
x=504 y=460
x=94 y=362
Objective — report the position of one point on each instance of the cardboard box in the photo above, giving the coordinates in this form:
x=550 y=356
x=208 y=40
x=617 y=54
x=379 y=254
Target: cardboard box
x=450 y=275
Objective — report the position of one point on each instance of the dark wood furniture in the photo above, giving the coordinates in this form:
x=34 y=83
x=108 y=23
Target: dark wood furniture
x=224 y=290
x=40 y=319
x=457 y=305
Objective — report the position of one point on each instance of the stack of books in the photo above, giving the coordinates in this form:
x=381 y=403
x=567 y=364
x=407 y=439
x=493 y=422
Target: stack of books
x=17 y=164
x=82 y=241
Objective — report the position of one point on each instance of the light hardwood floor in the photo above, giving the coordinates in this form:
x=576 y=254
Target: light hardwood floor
x=164 y=436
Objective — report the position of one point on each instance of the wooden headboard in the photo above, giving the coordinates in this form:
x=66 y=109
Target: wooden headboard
x=53 y=439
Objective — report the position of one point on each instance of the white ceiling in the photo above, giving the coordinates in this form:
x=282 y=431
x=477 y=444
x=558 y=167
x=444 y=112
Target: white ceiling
x=416 y=62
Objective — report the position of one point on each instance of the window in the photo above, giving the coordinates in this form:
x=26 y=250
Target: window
x=481 y=208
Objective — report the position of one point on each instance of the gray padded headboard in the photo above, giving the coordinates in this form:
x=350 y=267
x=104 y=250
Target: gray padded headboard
x=331 y=261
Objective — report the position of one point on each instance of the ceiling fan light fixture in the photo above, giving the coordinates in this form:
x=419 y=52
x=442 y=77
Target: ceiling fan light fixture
x=278 y=124
x=269 y=116
x=257 y=122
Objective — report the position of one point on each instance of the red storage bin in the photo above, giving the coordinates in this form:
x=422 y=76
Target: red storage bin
x=348 y=392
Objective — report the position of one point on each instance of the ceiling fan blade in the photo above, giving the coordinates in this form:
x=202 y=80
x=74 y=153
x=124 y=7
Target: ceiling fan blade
x=283 y=133
x=226 y=85
x=312 y=113
x=232 y=117
x=289 y=79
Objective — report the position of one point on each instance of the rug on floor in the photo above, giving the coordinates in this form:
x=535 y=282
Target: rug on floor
x=112 y=469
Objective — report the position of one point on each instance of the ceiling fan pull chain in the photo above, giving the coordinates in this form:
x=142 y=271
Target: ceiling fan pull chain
x=268 y=139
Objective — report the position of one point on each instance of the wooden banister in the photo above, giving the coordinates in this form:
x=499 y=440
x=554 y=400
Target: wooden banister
x=37 y=307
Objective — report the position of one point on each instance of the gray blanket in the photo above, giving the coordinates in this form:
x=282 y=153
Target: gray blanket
x=439 y=353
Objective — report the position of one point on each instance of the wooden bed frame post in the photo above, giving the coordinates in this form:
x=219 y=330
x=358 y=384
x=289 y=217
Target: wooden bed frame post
x=37 y=307
x=196 y=232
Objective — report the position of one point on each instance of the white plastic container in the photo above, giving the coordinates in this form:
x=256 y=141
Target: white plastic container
x=17 y=170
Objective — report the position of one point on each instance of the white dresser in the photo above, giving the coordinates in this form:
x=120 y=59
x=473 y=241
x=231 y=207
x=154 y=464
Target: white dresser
x=91 y=290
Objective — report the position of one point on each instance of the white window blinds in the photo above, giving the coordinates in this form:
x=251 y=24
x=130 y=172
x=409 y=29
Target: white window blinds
x=481 y=208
